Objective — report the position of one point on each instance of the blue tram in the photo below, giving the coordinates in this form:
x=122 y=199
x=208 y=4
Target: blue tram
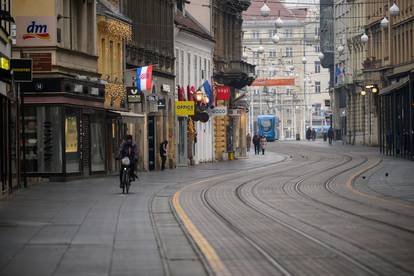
x=267 y=127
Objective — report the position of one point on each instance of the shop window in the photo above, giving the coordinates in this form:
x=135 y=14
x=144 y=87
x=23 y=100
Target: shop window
x=97 y=128
x=43 y=137
x=72 y=150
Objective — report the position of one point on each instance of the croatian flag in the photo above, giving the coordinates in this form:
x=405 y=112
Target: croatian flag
x=144 y=78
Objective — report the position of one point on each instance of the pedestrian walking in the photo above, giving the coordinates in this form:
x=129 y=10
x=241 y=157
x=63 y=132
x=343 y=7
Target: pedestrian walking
x=308 y=134
x=330 y=135
x=313 y=134
x=248 y=141
x=163 y=153
x=256 y=143
x=263 y=144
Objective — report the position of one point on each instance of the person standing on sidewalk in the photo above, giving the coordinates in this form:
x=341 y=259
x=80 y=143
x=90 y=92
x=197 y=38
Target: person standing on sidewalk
x=263 y=142
x=313 y=134
x=330 y=135
x=256 y=143
x=248 y=141
x=163 y=153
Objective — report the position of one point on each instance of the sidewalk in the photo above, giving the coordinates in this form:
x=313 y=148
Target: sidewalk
x=87 y=227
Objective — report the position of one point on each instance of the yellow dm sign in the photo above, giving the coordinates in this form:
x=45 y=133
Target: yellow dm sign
x=184 y=108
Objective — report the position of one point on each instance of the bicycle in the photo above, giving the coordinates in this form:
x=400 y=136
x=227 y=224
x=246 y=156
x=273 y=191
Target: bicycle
x=125 y=178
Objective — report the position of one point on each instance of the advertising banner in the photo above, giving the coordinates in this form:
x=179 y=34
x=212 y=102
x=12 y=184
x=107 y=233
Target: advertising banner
x=223 y=93
x=184 y=108
x=71 y=134
x=274 y=82
x=235 y=112
x=36 y=31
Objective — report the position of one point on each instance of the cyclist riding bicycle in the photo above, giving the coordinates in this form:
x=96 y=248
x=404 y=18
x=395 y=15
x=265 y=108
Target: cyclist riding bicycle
x=128 y=149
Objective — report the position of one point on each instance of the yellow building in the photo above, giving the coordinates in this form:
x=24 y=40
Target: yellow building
x=114 y=29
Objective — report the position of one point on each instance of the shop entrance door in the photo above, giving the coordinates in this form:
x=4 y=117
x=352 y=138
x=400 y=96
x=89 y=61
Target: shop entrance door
x=85 y=145
x=151 y=142
x=182 y=142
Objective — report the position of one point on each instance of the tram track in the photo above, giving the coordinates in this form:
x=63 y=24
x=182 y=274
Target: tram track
x=319 y=241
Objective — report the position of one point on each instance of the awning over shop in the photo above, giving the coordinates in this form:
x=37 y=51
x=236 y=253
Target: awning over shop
x=130 y=117
x=390 y=88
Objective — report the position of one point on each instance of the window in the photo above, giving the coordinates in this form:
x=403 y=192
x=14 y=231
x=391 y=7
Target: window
x=195 y=69
x=43 y=135
x=111 y=60
x=289 y=91
x=182 y=80
x=255 y=34
x=317 y=87
x=177 y=67
x=188 y=67
x=272 y=33
x=317 y=66
x=317 y=30
x=272 y=54
x=97 y=136
x=289 y=52
x=317 y=48
x=289 y=33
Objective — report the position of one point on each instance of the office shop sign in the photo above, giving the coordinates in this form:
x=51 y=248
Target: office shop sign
x=36 y=31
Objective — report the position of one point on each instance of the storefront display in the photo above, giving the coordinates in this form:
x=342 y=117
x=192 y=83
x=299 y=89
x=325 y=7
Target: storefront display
x=43 y=139
x=98 y=153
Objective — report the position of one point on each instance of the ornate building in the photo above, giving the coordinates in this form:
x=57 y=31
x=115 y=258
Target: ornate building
x=230 y=70
x=153 y=44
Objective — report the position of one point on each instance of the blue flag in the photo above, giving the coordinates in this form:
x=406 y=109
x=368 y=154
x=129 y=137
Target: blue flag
x=208 y=91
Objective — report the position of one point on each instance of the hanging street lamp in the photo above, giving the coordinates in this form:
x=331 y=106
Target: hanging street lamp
x=364 y=38
x=265 y=10
x=394 y=10
x=275 y=39
x=384 y=22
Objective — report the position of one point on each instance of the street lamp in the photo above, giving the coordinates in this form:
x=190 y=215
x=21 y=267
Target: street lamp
x=394 y=10
x=384 y=22
x=321 y=56
x=275 y=39
x=304 y=60
x=199 y=96
x=260 y=50
x=363 y=93
x=374 y=89
x=341 y=49
x=364 y=38
x=279 y=22
x=265 y=10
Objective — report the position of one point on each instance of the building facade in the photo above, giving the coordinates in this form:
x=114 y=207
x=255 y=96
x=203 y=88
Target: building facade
x=231 y=72
x=294 y=85
x=153 y=44
x=8 y=116
x=113 y=31
x=194 y=65
x=64 y=128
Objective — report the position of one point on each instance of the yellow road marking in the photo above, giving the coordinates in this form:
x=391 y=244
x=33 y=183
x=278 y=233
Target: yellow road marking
x=355 y=191
x=207 y=250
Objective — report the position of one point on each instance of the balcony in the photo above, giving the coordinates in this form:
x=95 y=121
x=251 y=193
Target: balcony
x=235 y=73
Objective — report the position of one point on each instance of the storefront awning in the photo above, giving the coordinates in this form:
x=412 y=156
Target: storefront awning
x=130 y=117
x=390 y=88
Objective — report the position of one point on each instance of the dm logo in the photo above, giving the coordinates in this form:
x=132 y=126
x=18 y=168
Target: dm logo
x=36 y=31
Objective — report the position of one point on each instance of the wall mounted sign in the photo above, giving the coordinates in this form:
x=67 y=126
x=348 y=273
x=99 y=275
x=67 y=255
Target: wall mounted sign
x=223 y=93
x=184 y=108
x=22 y=70
x=235 y=112
x=274 y=82
x=219 y=111
x=161 y=103
x=36 y=30
x=134 y=95
x=165 y=88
